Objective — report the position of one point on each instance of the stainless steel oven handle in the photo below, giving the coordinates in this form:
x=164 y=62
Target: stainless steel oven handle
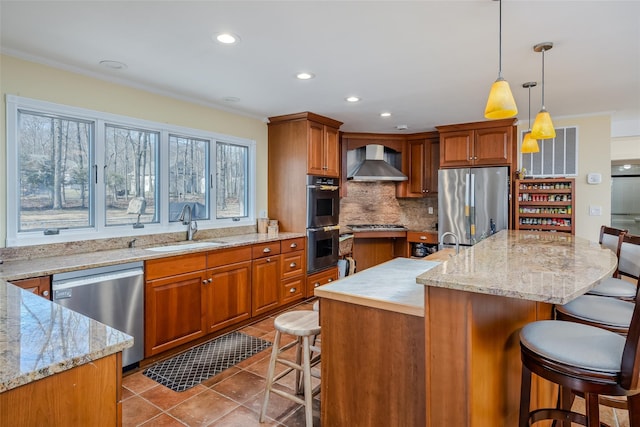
x=324 y=187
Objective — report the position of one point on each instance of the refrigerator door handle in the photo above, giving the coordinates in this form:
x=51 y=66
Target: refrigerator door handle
x=472 y=202
x=466 y=196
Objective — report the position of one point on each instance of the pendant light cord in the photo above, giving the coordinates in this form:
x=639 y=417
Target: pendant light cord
x=543 y=49
x=500 y=41
x=529 y=108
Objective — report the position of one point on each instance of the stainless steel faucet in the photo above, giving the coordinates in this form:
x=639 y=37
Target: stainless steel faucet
x=192 y=226
x=455 y=236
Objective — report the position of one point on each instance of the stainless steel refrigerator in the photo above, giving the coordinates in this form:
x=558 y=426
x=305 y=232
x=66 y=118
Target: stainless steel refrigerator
x=473 y=203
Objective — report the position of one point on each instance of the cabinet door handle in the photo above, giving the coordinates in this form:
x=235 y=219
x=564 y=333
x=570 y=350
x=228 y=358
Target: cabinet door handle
x=292 y=290
x=293 y=245
x=266 y=250
x=292 y=265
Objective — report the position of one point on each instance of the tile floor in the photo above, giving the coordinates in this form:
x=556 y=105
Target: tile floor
x=234 y=397
x=231 y=398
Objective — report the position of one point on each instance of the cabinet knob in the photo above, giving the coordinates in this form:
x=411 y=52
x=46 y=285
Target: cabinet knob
x=292 y=265
x=330 y=280
x=204 y=282
x=423 y=237
x=293 y=245
x=210 y=280
x=45 y=293
x=292 y=290
x=315 y=285
x=268 y=259
x=266 y=250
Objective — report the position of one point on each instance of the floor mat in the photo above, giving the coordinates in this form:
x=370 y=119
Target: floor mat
x=206 y=360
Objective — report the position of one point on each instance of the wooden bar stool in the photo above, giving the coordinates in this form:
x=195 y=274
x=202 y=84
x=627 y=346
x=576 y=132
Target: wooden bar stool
x=304 y=325
x=628 y=253
x=583 y=360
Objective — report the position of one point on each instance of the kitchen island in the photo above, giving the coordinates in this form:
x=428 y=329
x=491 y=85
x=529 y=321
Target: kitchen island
x=473 y=306
x=57 y=367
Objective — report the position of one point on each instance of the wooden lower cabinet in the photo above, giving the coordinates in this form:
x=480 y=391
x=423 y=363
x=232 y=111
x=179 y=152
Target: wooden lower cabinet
x=174 y=311
x=320 y=278
x=265 y=287
x=227 y=295
x=38 y=285
x=369 y=251
x=87 y=395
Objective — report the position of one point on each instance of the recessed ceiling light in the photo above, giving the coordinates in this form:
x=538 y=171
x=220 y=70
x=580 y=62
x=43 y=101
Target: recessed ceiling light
x=227 y=38
x=113 y=65
x=626 y=166
x=352 y=99
x=305 y=76
x=385 y=114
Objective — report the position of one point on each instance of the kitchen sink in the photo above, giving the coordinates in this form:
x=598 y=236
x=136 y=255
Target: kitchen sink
x=185 y=246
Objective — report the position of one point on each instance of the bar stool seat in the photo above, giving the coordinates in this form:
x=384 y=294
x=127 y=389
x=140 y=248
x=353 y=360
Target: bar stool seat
x=583 y=360
x=303 y=324
x=608 y=313
x=615 y=288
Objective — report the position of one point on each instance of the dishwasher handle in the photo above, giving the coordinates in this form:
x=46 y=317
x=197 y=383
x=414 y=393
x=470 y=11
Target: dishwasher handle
x=97 y=278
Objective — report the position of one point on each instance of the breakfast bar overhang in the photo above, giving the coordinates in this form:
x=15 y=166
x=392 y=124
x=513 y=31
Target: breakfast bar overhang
x=466 y=319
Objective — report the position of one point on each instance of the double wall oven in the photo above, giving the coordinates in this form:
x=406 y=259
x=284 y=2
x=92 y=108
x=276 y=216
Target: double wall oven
x=323 y=231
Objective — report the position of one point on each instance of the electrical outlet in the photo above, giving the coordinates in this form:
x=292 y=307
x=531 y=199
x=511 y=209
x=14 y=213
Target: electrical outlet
x=263 y=213
x=430 y=210
x=595 y=210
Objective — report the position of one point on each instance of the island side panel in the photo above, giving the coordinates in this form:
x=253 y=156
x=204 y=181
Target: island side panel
x=372 y=366
x=473 y=357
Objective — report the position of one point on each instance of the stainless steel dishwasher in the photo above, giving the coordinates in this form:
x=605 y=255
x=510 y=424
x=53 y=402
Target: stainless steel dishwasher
x=112 y=295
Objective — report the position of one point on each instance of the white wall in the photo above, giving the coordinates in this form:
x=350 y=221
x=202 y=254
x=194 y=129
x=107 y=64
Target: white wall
x=31 y=80
x=626 y=148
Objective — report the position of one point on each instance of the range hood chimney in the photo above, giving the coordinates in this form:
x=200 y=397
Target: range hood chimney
x=374 y=168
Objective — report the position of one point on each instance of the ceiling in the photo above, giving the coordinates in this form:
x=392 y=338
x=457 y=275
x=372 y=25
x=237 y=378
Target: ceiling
x=427 y=62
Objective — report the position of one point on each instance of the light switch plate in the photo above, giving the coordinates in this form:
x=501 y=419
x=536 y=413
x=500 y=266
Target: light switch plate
x=430 y=210
x=595 y=210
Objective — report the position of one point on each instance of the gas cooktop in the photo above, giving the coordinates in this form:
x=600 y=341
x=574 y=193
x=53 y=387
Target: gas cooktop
x=376 y=227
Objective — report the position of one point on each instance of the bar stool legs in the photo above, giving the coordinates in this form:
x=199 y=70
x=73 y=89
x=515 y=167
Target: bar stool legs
x=304 y=325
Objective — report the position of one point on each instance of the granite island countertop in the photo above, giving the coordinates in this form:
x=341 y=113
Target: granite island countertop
x=39 y=338
x=537 y=266
x=389 y=286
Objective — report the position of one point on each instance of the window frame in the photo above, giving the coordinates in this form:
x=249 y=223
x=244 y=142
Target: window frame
x=542 y=153
x=100 y=230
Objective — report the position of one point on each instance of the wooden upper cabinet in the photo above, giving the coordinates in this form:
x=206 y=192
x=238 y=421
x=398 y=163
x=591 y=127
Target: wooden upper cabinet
x=420 y=161
x=478 y=144
x=323 y=155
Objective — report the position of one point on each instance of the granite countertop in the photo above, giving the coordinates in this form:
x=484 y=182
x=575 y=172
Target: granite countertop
x=23 y=269
x=39 y=338
x=389 y=286
x=538 y=266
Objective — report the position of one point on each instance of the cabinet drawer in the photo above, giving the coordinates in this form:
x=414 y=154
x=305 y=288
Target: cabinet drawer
x=265 y=249
x=292 y=290
x=228 y=256
x=422 y=237
x=319 y=279
x=292 y=245
x=292 y=264
x=170 y=266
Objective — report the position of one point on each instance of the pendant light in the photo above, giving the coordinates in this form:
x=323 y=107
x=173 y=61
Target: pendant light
x=529 y=144
x=543 y=126
x=500 y=104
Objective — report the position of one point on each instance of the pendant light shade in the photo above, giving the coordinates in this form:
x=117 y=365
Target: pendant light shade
x=500 y=104
x=543 y=126
x=529 y=144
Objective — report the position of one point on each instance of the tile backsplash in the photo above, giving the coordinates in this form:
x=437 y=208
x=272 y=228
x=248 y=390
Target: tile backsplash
x=376 y=203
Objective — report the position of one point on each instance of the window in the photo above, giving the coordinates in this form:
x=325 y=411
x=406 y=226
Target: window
x=76 y=174
x=557 y=156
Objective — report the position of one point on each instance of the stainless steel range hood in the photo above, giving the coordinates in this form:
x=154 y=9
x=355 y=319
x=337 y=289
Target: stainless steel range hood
x=374 y=168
